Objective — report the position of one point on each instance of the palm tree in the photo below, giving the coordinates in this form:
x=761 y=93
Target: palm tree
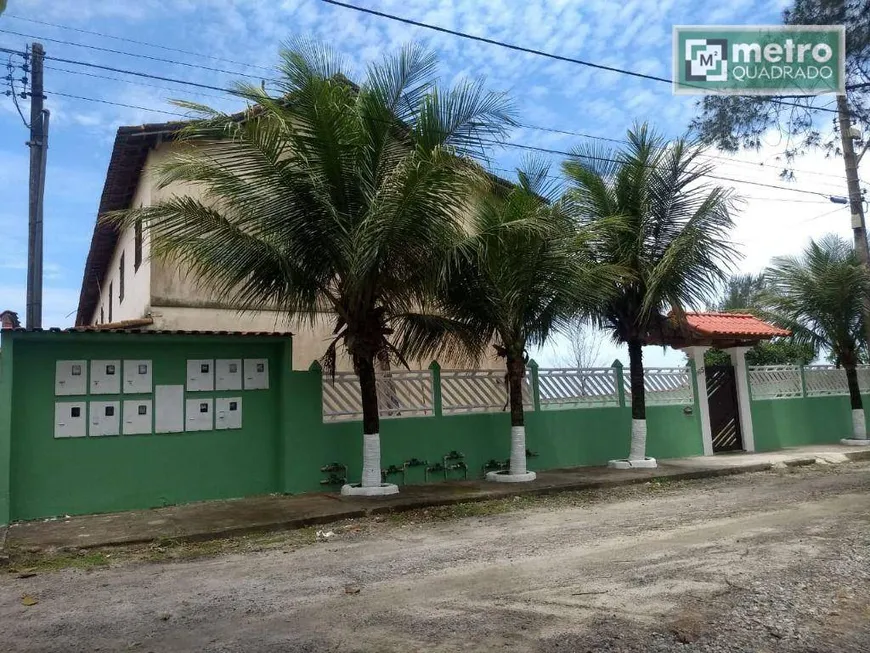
x=522 y=273
x=331 y=198
x=669 y=231
x=741 y=293
x=819 y=296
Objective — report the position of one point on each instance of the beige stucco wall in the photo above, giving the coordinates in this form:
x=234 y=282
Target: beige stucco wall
x=309 y=341
x=176 y=300
x=137 y=283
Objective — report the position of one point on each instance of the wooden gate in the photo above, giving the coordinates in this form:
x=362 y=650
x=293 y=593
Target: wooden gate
x=724 y=416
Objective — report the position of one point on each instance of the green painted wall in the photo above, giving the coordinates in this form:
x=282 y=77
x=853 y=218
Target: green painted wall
x=5 y=428
x=283 y=442
x=794 y=422
x=561 y=438
x=99 y=474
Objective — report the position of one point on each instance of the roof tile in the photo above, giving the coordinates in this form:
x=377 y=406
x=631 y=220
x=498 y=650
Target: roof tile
x=733 y=324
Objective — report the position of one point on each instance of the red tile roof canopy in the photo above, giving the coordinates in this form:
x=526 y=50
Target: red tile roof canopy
x=716 y=330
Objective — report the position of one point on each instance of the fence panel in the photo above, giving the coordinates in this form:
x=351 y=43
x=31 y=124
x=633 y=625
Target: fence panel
x=775 y=381
x=478 y=391
x=578 y=388
x=864 y=378
x=825 y=381
x=664 y=386
x=401 y=393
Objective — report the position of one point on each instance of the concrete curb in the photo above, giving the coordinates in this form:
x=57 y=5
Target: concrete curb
x=472 y=497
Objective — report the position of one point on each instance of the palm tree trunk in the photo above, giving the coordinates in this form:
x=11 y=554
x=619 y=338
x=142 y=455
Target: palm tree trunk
x=859 y=426
x=515 y=372
x=637 y=449
x=371 y=468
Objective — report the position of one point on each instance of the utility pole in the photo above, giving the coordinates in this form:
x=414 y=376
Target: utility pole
x=859 y=230
x=38 y=145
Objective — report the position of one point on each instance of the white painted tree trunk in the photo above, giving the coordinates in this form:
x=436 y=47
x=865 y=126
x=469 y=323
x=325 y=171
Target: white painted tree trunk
x=371 y=471
x=518 y=450
x=859 y=426
x=637 y=451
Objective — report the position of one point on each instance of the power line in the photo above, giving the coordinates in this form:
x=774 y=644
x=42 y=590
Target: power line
x=571 y=155
x=132 y=54
x=145 y=75
x=825 y=214
x=540 y=53
x=13 y=93
x=482 y=140
x=145 y=43
x=623 y=141
x=127 y=81
x=120 y=104
x=229 y=91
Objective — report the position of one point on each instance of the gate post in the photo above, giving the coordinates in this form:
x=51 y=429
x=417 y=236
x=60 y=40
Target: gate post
x=744 y=406
x=696 y=357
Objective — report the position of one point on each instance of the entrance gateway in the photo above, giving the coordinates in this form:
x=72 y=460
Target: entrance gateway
x=722 y=390
x=724 y=413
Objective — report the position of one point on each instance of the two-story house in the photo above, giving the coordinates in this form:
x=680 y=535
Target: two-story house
x=122 y=286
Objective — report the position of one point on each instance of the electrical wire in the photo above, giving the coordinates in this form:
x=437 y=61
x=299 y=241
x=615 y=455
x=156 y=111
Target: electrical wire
x=540 y=53
x=823 y=215
x=232 y=92
x=127 y=81
x=14 y=93
x=132 y=54
x=486 y=141
x=145 y=43
x=120 y=104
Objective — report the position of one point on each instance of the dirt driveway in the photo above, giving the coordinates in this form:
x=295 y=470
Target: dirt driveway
x=774 y=561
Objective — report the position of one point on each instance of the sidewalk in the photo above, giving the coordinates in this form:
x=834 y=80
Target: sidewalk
x=212 y=519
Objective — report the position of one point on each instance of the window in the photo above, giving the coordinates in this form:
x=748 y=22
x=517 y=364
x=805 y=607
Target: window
x=137 y=244
x=110 y=301
x=121 y=279
x=102 y=315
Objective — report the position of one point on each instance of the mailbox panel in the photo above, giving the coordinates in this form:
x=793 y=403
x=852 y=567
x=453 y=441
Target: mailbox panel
x=70 y=419
x=200 y=375
x=256 y=374
x=137 y=376
x=200 y=415
x=228 y=413
x=137 y=416
x=168 y=409
x=228 y=374
x=105 y=377
x=70 y=378
x=104 y=418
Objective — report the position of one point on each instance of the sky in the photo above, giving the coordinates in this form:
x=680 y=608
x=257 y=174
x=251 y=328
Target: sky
x=240 y=40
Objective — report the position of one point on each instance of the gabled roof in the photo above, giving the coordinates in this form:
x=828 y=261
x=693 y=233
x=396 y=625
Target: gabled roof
x=129 y=153
x=740 y=325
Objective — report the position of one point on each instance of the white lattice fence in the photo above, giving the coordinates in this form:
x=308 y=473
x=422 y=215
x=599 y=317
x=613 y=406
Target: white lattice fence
x=825 y=381
x=401 y=393
x=664 y=386
x=578 y=388
x=478 y=391
x=864 y=378
x=775 y=381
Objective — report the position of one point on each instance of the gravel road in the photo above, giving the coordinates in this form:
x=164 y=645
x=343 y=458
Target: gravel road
x=774 y=561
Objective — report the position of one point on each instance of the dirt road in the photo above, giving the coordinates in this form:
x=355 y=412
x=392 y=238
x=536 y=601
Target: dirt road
x=775 y=561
